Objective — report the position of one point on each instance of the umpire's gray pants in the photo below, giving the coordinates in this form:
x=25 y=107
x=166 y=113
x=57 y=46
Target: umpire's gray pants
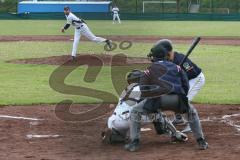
x=138 y=111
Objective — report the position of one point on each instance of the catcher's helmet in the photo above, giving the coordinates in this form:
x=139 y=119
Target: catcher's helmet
x=134 y=76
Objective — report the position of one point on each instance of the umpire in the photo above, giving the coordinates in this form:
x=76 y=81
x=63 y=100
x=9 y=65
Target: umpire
x=170 y=93
x=194 y=73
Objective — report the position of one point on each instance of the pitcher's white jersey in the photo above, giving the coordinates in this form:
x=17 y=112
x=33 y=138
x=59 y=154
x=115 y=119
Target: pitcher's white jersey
x=73 y=20
x=81 y=28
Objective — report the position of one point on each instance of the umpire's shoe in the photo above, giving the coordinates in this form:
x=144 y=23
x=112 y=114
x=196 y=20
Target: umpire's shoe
x=133 y=146
x=202 y=143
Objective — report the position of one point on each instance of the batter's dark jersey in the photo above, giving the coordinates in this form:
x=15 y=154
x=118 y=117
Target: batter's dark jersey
x=170 y=78
x=189 y=67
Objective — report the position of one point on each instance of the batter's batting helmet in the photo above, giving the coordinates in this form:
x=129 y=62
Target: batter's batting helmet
x=158 y=52
x=166 y=43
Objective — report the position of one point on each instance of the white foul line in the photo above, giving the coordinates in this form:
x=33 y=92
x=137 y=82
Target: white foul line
x=23 y=118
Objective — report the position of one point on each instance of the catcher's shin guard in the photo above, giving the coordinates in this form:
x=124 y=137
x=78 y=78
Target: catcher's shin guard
x=165 y=126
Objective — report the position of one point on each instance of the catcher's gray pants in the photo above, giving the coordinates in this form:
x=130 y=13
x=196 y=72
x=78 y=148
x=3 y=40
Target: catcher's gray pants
x=166 y=100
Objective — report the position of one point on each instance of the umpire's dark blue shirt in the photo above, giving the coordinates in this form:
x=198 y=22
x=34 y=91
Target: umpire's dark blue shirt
x=170 y=78
x=190 y=68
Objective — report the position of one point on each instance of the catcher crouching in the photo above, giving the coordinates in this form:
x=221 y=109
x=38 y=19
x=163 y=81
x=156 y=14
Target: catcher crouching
x=118 y=124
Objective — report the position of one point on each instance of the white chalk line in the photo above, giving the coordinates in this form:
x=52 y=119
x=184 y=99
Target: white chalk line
x=231 y=115
x=145 y=129
x=31 y=136
x=22 y=118
x=225 y=119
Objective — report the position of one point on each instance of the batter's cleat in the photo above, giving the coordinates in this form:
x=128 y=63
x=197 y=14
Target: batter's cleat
x=178 y=120
x=108 y=42
x=133 y=146
x=202 y=143
x=187 y=129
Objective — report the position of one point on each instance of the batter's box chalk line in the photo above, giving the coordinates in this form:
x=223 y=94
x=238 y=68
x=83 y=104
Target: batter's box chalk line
x=225 y=119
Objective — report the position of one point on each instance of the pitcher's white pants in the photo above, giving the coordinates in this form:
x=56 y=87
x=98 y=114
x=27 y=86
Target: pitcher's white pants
x=116 y=16
x=86 y=32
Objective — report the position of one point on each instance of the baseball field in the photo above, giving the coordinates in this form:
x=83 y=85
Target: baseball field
x=35 y=124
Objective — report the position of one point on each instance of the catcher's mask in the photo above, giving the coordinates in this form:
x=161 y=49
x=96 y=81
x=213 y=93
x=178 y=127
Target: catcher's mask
x=134 y=76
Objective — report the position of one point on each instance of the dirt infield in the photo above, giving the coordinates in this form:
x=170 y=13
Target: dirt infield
x=77 y=141
x=36 y=133
x=147 y=39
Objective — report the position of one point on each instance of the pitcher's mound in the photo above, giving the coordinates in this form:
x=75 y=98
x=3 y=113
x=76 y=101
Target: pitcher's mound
x=91 y=59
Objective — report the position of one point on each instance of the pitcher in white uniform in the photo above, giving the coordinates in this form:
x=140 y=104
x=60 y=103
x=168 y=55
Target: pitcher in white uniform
x=115 y=11
x=81 y=28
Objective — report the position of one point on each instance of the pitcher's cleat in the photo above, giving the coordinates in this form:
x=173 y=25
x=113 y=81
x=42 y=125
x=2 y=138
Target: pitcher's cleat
x=73 y=58
x=108 y=42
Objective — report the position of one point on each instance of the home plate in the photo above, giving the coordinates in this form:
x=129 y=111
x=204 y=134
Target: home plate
x=145 y=129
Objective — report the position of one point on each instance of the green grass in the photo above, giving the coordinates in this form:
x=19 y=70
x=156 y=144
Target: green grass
x=163 y=28
x=28 y=84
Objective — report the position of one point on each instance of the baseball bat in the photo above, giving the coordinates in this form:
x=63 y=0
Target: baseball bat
x=193 y=45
